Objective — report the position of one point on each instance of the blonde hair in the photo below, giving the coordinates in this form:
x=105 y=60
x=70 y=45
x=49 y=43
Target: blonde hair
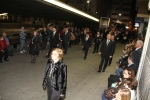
x=124 y=93
x=59 y=51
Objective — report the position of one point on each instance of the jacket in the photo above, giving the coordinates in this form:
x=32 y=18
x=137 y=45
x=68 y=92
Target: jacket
x=3 y=44
x=58 y=76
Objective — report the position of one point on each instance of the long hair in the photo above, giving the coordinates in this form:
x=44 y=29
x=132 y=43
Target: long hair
x=124 y=93
x=130 y=72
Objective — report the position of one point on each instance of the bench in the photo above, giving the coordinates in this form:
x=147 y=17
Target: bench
x=14 y=40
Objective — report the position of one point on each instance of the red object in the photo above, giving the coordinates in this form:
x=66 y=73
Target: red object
x=62 y=32
x=3 y=44
x=90 y=34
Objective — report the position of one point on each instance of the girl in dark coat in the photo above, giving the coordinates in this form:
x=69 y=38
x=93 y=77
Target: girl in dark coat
x=34 y=47
x=55 y=78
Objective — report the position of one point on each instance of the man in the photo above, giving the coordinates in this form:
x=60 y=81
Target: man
x=44 y=38
x=130 y=64
x=137 y=53
x=54 y=40
x=65 y=39
x=22 y=35
x=86 y=45
x=10 y=48
x=97 y=41
x=114 y=47
x=106 y=52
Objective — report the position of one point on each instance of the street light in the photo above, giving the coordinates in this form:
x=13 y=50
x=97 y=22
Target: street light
x=119 y=14
x=88 y=2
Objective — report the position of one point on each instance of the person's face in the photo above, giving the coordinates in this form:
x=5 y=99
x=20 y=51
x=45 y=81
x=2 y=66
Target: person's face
x=112 y=37
x=22 y=28
x=1 y=38
x=35 y=33
x=108 y=36
x=125 y=74
x=87 y=35
x=55 y=55
x=66 y=29
x=98 y=33
x=4 y=34
x=44 y=29
x=136 y=45
x=54 y=29
x=50 y=27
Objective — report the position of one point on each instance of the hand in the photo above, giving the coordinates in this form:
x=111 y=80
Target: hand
x=27 y=45
x=82 y=46
x=100 y=53
x=62 y=96
x=57 y=44
x=2 y=51
x=47 y=42
x=110 y=56
x=44 y=88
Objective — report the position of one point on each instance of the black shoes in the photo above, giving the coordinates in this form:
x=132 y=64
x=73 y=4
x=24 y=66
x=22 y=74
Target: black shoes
x=103 y=70
x=6 y=60
x=99 y=71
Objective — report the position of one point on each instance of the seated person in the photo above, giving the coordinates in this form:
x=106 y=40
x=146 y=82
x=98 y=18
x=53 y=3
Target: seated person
x=130 y=83
x=125 y=65
x=10 y=47
x=3 y=50
x=127 y=73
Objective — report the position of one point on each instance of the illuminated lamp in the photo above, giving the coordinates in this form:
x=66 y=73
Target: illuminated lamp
x=69 y=8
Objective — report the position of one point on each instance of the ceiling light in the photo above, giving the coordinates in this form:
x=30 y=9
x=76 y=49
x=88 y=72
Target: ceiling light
x=4 y=14
x=119 y=14
x=67 y=7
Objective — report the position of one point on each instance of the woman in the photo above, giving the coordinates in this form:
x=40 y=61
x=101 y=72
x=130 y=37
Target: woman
x=123 y=94
x=127 y=73
x=55 y=79
x=3 y=50
x=34 y=47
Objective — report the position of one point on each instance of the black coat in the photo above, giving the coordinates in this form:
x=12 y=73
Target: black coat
x=98 y=39
x=34 y=45
x=105 y=50
x=87 y=43
x=44 y=36
x=54 y=40
x=66 y=37
x=137 y=56
x=58 y=76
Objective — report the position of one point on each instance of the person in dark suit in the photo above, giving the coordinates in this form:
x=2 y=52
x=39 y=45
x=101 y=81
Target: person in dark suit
x=114 y=47
x=44 y=39
x=97 y=41
x=86 y=45
x=137 y=53
x=106 y=52
x=65 y=39
x=54 y=40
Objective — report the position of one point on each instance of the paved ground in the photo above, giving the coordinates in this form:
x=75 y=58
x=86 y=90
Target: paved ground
x=22 y=80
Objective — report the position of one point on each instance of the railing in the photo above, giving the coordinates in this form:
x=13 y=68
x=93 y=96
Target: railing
x=143 y=75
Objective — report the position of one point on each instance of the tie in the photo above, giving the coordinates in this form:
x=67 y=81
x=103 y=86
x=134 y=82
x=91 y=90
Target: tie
x=107 y=42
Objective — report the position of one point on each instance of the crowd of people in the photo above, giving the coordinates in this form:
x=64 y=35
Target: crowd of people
x=121 y=85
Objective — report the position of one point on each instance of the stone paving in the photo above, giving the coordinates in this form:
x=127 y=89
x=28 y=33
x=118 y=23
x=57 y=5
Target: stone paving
x=22 y=80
